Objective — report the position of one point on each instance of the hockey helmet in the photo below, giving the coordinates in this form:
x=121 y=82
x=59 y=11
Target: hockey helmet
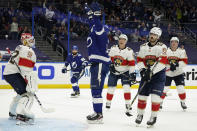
x=123 y=36
x=157 y=31
x=174 y=39
x=75 y=47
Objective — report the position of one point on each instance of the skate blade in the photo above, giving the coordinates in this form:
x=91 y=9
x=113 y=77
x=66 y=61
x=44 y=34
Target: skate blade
x=150 y=126
x=128 y=114
x=74 y=96
x=95 y=121
x=12 y=118
x=137 y=125
x=19 y=123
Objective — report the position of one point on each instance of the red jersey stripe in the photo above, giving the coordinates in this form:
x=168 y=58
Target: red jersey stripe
x=26 y=62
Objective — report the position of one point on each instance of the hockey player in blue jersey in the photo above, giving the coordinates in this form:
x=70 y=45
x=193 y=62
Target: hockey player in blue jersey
x=77 y=64
x=97 y=42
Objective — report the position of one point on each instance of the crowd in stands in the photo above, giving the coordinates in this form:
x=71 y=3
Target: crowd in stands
x=9 y=23
x=127 y=16
x=184 y=11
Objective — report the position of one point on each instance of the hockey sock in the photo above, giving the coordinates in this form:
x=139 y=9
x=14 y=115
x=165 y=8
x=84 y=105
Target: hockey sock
x=141 y=104
x=110 y=93
x=181 y=92
x=155 y=104
x=127 y=94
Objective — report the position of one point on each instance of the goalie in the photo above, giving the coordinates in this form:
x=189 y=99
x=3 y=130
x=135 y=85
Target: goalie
x=19 y=74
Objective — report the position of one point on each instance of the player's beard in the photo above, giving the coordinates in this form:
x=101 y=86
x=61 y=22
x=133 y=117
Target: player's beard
x=152 y=40
x=74 y=53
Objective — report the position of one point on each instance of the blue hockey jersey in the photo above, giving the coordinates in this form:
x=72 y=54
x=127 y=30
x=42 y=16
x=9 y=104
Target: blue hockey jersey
x=76 y=62
x=97 y=42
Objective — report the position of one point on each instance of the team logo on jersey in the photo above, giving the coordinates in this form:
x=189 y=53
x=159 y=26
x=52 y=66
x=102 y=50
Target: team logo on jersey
x=173 y=59
x=118 y=60
x=74 y=65
x=29 y=54
x=150 y=60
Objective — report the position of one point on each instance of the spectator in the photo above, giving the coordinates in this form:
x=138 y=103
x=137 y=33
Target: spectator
x=157 y=17
x=14 y=29
x=135 y=36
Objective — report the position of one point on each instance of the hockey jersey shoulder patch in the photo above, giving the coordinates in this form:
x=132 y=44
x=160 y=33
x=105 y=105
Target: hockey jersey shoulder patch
x=160 y=43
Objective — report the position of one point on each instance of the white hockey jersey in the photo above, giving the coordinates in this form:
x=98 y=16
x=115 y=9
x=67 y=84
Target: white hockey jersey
x=24 y=57
x=178 y=56
x=123 y=59
x=149 y=55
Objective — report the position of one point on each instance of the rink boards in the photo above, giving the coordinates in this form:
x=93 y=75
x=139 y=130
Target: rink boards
x=51 y=77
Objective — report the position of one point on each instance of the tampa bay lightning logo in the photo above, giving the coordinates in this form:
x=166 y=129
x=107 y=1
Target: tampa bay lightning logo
x=74 y=65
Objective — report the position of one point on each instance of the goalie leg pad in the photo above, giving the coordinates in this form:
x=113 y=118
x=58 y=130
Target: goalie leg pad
x=32 y=85
x=13 y=104
x=25 y=104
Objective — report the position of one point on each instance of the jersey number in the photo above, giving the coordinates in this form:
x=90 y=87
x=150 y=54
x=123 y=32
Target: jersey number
x=14 y=56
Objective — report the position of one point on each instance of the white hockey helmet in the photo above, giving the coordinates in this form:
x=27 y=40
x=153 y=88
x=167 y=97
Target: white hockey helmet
x=123 y=36
x=174 y=39
x=157 y=31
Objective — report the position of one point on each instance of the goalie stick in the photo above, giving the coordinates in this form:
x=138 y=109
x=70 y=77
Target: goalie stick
x=45 y=110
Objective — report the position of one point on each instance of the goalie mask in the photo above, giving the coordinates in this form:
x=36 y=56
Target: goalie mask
x=28 y=40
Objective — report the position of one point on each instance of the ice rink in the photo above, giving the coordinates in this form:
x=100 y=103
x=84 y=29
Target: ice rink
x=70 y=113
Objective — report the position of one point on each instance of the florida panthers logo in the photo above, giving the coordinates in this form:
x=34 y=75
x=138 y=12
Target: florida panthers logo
x=150 y=60
x=118 y=60
x=173 y=59
x=74 y=65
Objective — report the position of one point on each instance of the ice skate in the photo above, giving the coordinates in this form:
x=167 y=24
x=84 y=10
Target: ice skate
x=75 y=94
x=128 y=110
x=108 y=105
x=24 y=120
x=183 y=105
x=12 y=116
x=95 y=118
x=138 y=119
x=151 y=122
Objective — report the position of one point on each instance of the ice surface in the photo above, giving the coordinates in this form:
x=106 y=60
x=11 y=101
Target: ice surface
x=70 y=114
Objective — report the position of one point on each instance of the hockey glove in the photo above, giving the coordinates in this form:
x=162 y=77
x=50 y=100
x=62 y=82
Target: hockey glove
x=88 y=11
x=132 y=77
x=173 y=66
x=146 y=74
x=64 y=70
x=96 y=9
x=112 y=68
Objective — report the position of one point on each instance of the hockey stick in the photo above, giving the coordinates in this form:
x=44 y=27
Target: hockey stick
x=145 y=82
x=45 y=110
